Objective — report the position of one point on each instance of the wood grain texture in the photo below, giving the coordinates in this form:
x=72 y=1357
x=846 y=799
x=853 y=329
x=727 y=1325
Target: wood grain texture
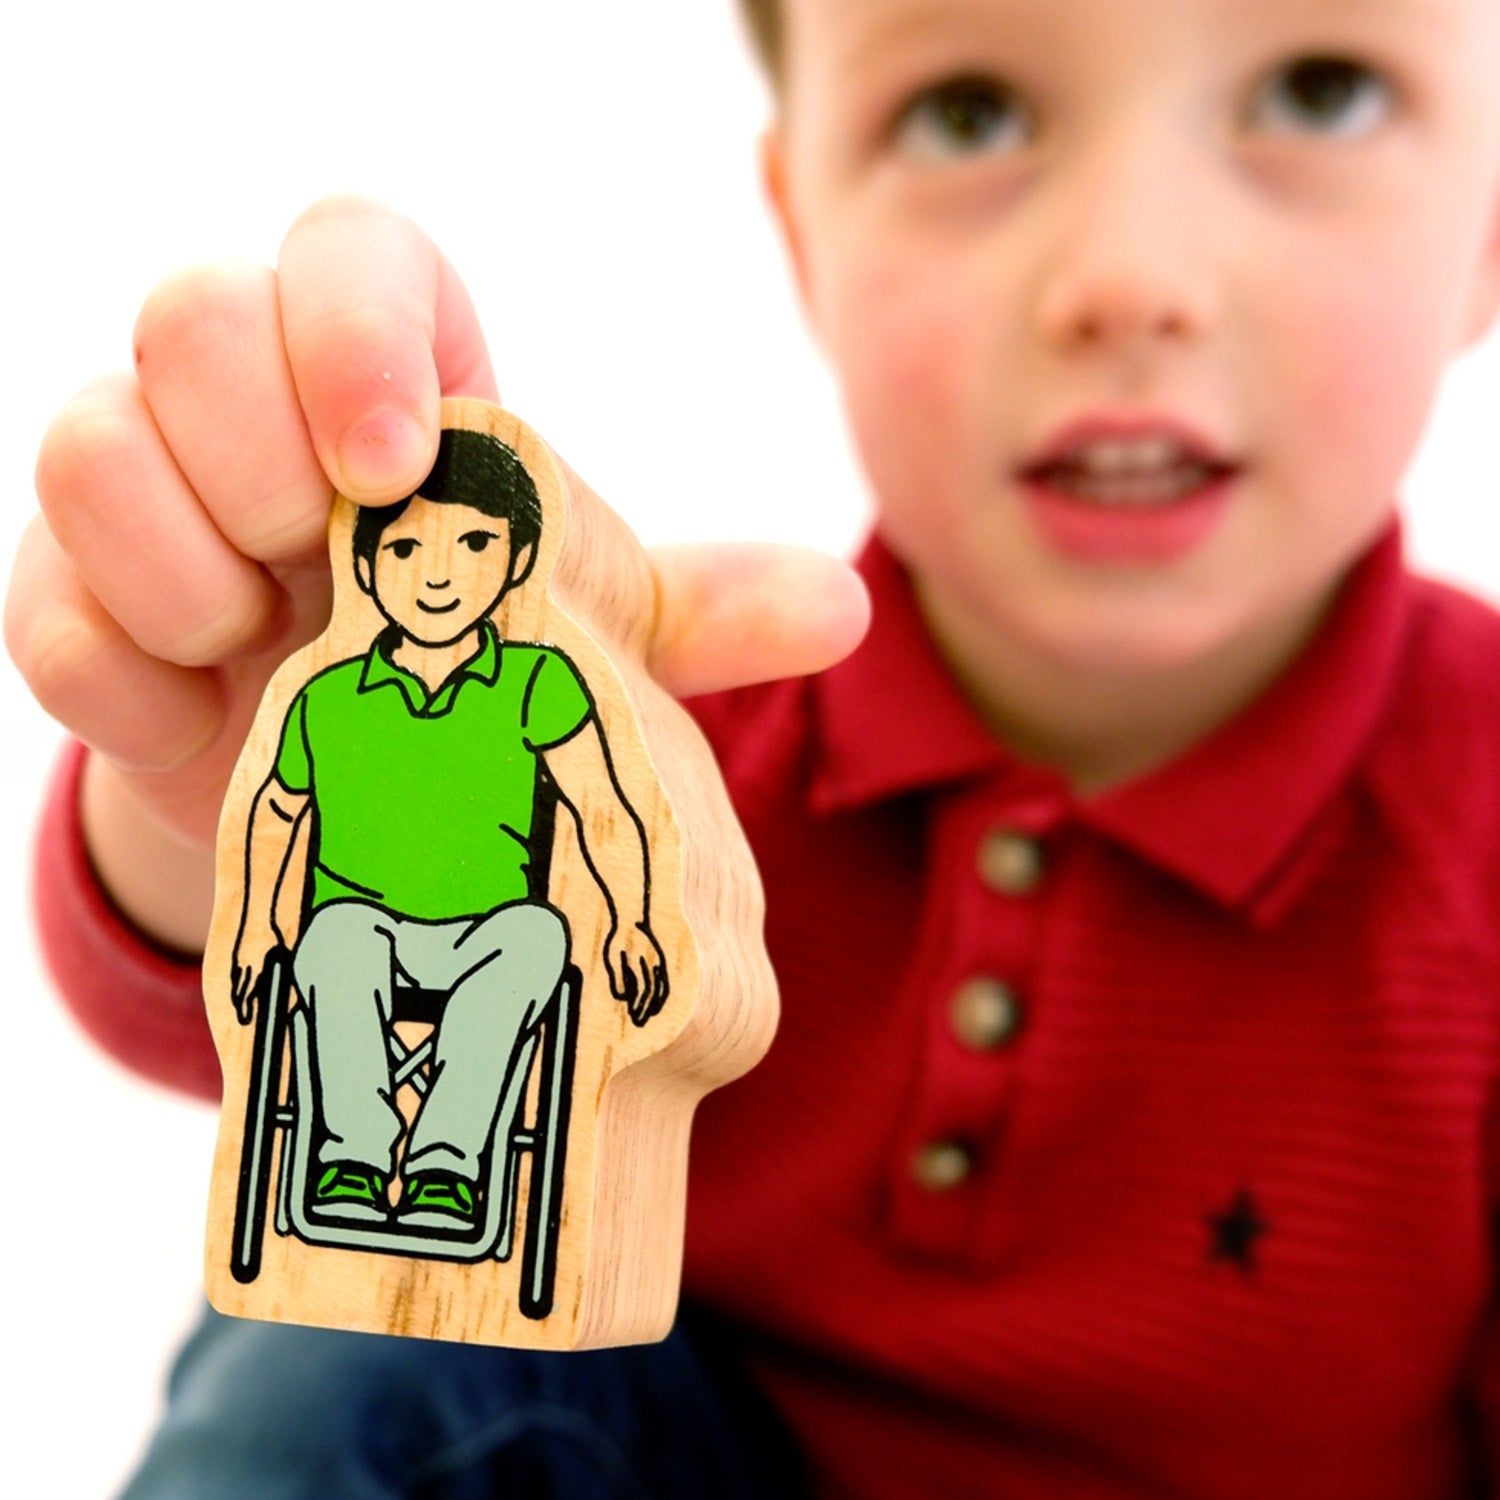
x=619 y=1246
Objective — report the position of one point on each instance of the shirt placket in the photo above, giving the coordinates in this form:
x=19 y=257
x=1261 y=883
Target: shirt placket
x=970 y=984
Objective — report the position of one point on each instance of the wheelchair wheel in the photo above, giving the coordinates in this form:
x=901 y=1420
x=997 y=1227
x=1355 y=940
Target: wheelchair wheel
x=261 y=1106
x=548 y=1156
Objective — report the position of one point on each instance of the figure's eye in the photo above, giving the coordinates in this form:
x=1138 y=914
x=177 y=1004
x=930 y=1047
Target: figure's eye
x=1331 y=96
x=477 y=541
x=402 y=547
x=965 y=116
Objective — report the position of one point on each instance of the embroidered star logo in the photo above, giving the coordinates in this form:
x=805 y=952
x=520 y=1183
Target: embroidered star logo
x=1233 y=1231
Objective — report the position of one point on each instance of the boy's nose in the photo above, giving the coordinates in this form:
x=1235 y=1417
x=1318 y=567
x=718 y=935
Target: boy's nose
x=1119 y=305
x=1130 y=264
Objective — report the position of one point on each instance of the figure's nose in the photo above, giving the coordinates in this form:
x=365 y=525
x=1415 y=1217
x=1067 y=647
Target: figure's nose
x=1131 y=261
x=446 y=583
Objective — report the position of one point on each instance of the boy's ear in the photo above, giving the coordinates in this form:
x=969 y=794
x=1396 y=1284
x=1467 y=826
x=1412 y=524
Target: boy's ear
x=364 y=575
x=773 y=177
x=523 y=559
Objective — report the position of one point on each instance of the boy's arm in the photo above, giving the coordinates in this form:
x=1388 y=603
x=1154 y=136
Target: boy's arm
x=142 y=1004
x=586 y=780
x=163 y=882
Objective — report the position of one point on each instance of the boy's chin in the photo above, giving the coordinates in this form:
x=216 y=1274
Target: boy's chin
x=1142 y=642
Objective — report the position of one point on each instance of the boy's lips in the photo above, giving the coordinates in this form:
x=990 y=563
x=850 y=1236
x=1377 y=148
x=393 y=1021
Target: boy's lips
x=1139 y=489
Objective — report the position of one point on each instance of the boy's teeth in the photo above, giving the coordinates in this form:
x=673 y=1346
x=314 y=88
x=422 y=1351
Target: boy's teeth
x=1130 y=471
x=1136 y=489
x=1112 y=456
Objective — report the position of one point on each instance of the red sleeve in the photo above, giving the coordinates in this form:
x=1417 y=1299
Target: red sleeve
x=140 y=1004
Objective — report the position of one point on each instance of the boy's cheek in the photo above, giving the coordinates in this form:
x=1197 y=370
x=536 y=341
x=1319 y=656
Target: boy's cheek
x=904 y=355
x=1366 y=372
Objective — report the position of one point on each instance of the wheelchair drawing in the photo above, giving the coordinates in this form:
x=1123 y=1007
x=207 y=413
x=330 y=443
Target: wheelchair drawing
x=548 y=1050
x=413 y=1053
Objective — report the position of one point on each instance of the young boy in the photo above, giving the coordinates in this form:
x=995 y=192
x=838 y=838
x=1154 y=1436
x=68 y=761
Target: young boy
x=1131 y=889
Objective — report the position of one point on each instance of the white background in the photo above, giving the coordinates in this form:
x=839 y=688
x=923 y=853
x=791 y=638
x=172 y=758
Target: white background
x=589 y=167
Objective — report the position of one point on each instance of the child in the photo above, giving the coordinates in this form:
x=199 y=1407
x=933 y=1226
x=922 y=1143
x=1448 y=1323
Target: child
x=1131 y=888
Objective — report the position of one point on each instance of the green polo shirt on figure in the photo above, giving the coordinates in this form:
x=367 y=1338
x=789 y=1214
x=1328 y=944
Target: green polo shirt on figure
x=424 y=801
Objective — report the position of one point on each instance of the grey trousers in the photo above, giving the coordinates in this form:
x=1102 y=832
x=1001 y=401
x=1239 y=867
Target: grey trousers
x=498 y=970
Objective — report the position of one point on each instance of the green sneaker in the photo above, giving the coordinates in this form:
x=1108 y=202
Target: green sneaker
x=351 y=1190
x=438 y=1200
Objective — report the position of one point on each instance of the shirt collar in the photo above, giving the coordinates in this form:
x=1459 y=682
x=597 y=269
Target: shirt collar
x=890 y=719
x=381 y=668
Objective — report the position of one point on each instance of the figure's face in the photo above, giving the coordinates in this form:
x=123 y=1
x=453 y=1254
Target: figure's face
x=440 y=569
x=1139 y=308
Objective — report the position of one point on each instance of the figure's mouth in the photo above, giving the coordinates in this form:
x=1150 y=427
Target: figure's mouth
x=1126 y=472
x=438 y=609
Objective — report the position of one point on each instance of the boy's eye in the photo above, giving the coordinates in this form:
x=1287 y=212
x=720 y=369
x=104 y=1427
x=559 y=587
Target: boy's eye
x=1333 y=96
x=477 y=541
x=403 y=546
x=966 y=116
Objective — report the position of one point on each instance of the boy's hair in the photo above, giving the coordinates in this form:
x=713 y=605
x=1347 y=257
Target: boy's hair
x=472 y=468
x=763 y=19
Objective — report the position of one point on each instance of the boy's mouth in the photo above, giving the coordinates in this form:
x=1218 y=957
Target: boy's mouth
x=1127 y=471
x=1128 y=490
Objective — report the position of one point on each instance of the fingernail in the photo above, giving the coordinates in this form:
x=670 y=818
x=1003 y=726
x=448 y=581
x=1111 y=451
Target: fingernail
x=383 y=449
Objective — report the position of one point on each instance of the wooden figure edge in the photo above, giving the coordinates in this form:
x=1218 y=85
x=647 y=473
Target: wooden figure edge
x=598 y=594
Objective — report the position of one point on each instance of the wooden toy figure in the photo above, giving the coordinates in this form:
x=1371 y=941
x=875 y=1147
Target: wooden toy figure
x=485 y=931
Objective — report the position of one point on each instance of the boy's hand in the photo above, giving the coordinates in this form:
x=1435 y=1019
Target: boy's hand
x=181 y=550
x=180 y=554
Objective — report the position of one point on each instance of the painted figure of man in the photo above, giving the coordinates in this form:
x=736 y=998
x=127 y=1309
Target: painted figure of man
x=418 y=763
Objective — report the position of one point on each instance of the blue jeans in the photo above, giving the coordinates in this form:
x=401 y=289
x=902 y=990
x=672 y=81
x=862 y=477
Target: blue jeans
x=262 y=1411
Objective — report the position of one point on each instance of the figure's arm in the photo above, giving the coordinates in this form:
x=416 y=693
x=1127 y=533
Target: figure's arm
x=586 y=780
x=274 y=818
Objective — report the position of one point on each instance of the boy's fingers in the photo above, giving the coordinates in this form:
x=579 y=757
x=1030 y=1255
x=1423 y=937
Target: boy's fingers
x=732 y=615
x=144 y=546
x=210 y=361
x=377 y=328
x=141 y=712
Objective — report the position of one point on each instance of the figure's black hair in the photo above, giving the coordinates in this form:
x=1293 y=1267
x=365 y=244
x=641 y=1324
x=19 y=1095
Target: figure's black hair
x=472 y=468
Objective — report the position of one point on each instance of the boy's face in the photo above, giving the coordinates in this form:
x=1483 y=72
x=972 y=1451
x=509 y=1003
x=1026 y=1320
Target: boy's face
x=439 y=569
x=1138 y=307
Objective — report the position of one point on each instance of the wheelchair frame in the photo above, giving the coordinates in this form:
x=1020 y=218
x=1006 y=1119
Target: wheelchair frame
x=283 y=1033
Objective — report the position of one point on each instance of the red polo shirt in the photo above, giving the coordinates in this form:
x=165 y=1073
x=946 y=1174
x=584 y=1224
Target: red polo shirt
x=1133 y=1146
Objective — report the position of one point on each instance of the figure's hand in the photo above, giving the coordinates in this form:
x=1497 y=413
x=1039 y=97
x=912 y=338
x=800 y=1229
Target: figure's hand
x=253 y=948
x=637 y=971
x=181 y=550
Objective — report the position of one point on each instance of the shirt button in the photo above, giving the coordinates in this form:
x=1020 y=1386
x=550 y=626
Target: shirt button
x=1010 y=863
x=941 y=1165
x=985 y=1014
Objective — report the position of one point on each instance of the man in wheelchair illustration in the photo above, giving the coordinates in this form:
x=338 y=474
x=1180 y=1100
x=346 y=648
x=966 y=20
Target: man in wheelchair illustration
x=427 y=771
